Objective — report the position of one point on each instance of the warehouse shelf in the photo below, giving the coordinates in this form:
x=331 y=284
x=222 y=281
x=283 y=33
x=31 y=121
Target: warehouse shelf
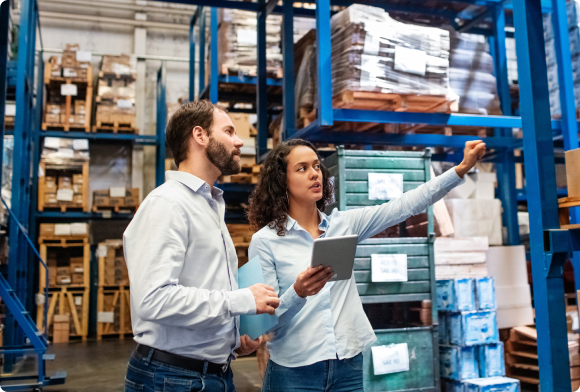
x=132 y=137
x=57 y=215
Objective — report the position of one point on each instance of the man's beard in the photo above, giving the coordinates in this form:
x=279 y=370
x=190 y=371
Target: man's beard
x=219 y=156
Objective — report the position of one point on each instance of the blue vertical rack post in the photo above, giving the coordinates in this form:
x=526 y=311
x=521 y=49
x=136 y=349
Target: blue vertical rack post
x=547 y=264
x=261 y=86
x=161 y=124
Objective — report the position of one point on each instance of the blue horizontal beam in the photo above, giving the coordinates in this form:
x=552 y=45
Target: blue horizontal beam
x=562 y=241
x=55 y=215
x=523 y=196
x=136 y=138
x=240 y=5
x=247 y=80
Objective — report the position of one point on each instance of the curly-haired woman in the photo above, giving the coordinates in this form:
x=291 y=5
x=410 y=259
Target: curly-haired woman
x=318 y=342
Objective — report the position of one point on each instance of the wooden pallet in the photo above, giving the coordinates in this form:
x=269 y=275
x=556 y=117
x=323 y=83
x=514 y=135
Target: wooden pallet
x=64 y=241
x=249 y=174
x=416 y=103
x=110 y=75
x=114 y=208
x=234 y=71
x=63 y=207
x=564 y=205
x=115 y=127
x=122 y=298
x=60 y=297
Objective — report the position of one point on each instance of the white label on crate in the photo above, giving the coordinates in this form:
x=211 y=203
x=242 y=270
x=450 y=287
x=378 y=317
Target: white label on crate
x=383 y=186
x=83 y=55
x=66 y=153
x=69 y=89
x=410 y=60
x=389 y=268
x=52 y=142
x=249 y=37
x=64 y=195
x=390 y=359
x=106 y=317
x=107 y=214
x=78 y=229
x=81 y=144
x=62 y=228
x=117 y=191
x=124 y=103
x=69 y=73
x=10 y=109
x=79 y=270
x=78 y=300
x=121 y=69
x=65 y=281
x=40 y=171
x=39 y=299
x=102 y=251
x=372 y=38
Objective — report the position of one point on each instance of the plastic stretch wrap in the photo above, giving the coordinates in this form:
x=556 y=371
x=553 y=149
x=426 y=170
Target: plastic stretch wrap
x=61 y=151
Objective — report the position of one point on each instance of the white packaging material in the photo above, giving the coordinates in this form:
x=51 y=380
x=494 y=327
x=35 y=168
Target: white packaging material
x=124 y=103
x=513 y=296
x=83 y=55
x=81 y=144
x=463 y=191
x=410 y=60
x=10 y=109
x=484 y=191
x=524 y=222
x=78 y=300
x=68 y=89
x=106 y=317
x=117 y=191
x=477 y=218
x=64 y=195
x=507 y=265
x=484 y=177
x=389 y=268
x=460 y=271
x=52 y=143
x=513 y=317
x=79 y=228
x=383 y=186
x=461 y=250
x=390 y=359
x=62 y=229
x=102 y=251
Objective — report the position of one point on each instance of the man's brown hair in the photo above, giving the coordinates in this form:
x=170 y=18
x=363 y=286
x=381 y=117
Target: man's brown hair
x=181 y=124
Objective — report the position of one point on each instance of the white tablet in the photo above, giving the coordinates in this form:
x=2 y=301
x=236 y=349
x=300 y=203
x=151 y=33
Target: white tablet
x=337 y=252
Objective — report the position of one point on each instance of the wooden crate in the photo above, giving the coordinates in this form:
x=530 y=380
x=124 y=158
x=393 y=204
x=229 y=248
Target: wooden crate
x=65 y=298
x=564 y=205
x=121 y=204
x=85 y=85
x=423 y=374
x=241 y=236
x=82 y=168
x=416 y=103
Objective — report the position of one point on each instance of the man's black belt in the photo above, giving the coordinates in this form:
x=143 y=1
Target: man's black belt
x=187 y=363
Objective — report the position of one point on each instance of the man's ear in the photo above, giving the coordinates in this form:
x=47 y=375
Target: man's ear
x=199 y=136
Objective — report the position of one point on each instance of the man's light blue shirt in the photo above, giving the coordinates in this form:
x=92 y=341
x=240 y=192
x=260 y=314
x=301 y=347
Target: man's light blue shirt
x=331 y=324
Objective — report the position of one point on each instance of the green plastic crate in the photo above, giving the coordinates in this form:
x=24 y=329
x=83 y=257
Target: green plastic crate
x=423 y=373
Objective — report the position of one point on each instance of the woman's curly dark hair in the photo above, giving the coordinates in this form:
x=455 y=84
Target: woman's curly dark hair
x=269 y=200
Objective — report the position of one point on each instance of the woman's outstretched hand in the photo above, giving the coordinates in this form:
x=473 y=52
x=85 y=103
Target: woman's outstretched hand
x=311 y=281
x=473 y=152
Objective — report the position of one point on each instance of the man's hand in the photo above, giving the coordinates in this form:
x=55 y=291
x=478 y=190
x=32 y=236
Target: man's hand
x=473 y=152
x=247 y=345
x=266 y=298
x=311 y=281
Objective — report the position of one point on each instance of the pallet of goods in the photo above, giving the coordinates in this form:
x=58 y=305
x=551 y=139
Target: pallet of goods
x=573 y=185
x=113 y=297
x=380 y=64
x=246 y=131
x=69 y=91
x=63 y=175
x=66 y=250
x=116 y=199
x=470 y=352
x=522 y=356
x=115 y=100
x=241 y=236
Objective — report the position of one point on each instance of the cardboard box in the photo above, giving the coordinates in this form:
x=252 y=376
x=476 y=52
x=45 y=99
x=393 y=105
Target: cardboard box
x=64 y=182
x=78 y=188
x=52 y=118
x=50 y=198
x=52 y=108
x=61 y=328
x=130 y=201
x=50 y=187
x=80 y=107
x=102 y=193
x=51 y=277
x=47 y=229
x=70 y=72
x=573 y=172
x=62 y=280
x=79 y=118
x=77 y=199
x=78 y=278
x=64 y=119
x=62 y=271
x=50 y=179
x=101 y=201
x=241 y=122
x=117 y=201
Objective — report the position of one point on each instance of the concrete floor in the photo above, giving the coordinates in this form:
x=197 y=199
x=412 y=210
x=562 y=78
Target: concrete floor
x=101 y=366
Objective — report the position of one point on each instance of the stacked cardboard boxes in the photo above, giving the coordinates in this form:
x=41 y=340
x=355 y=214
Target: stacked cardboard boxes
x=461 y=257
x=115 y=269
x=116 y=197
x=73 y=63
x=61 y=328
x=115 y=108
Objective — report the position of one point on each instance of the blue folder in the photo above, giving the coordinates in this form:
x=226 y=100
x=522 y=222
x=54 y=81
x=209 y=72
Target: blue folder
x=254 y=325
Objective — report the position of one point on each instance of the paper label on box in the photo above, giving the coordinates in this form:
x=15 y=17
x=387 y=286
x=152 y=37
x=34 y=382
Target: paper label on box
x=102 y=251
x=64 y=195
x=78 y=229
x=69 y=89
x=107 y=214
x=117 y=191
x=124 y=103
x=121 y=69
x=69 y=73
x=372 y=38
x=52 y=142
x=106 y=317
x=410 y=60
x=383 y=186
x=369 y=70
x=389 y=268
x=247 y=37
x=78 y=300
x=10 y=109
x=39 y=299
x=40 y=171
x=66 y=153
x=81 y=144
x=390 y=359
x=78 y=270
x=83 y=55
x=62 y=228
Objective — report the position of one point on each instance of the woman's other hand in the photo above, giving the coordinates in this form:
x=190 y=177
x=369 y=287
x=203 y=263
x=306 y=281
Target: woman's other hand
x=311 y=281
x=247 y=345
x=473 y=152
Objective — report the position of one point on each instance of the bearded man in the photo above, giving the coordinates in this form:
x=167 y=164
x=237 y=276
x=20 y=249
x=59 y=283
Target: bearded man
x=182 y=264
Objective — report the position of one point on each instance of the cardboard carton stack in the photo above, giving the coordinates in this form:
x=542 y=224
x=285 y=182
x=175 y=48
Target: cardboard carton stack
x=61 y=328
x=116 y=197
x=115 y=108
x=115 y=270
x=73 y=63
x=461 y=257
